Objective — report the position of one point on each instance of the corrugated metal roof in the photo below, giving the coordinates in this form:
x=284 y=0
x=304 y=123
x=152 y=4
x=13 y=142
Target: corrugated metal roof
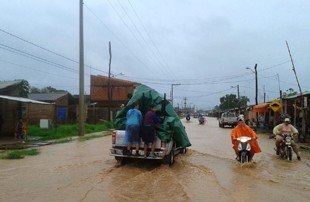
x=5 y=84
x=21 y=99
x=46 y=96
x=297 y=95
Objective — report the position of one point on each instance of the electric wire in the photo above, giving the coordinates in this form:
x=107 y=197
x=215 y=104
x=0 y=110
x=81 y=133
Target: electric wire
x=165 y=67
x=34 y=69
x=151 y=59
x=40 y=59
x=119 y=39
x=148 y=34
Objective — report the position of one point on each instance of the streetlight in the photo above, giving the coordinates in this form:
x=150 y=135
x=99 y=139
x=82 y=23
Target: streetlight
x=174 y=84
x=256 y=82
x=115 y=75
x=250 y=69
x=256 y=89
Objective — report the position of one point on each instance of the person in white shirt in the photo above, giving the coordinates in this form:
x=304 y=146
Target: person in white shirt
x=286 y=128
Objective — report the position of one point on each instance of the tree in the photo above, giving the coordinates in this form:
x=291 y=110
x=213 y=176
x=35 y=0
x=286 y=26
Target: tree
x=216 y=107
x=231 y=101
x=25 y=88
x=289 y=92
x=48 y=89
x=35 y=90
x=244 y=101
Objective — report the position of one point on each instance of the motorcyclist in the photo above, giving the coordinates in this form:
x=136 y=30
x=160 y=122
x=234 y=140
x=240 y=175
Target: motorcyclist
x=188 y=117
x=244 y=130
x=201 y=119
x=286 y=128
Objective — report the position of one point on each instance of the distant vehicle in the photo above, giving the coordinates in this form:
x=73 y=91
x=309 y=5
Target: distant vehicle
x=228 y=118
x=201 y=120
x=188 y=117
x=164 y=152
x=195 y=116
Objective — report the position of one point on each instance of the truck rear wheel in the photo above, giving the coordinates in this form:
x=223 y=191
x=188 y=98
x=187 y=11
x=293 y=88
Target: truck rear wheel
x=120 y=160
x=183 y=150
x=169 y=159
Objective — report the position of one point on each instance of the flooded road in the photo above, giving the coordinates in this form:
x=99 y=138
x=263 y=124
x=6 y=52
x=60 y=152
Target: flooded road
x=84 y=171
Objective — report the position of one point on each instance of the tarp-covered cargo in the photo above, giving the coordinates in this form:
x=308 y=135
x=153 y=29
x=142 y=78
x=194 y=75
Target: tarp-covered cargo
x=172 y=126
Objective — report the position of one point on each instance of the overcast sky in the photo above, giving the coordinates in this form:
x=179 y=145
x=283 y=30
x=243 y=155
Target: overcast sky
x=203 y=45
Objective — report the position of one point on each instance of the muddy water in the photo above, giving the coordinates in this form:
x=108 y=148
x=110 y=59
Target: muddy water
x=84 y=171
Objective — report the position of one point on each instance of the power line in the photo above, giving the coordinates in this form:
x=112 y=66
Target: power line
x=165 y=67
x=46 y=49
x=133 y=34
x=119 y=39
x=28 y=55
x=154 y=44
x=206 y=95
x=34 y=69
x=273 y=66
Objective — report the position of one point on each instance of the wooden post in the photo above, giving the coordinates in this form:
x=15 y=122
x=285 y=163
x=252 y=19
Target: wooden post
x=295 y=111
x=302 y=97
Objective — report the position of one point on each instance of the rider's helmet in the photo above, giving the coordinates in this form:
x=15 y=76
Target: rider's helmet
x=240 y=118
x=287 y=120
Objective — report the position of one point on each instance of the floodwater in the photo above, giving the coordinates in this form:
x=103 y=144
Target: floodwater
x=84 y=171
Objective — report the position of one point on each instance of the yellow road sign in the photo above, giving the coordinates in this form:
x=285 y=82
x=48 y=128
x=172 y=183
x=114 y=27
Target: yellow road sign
x=275 y=105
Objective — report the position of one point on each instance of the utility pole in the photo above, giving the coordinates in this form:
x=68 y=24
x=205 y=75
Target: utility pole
x=279 y=84
x=280 y=91
x=185 y=99
x=171 y=95
x=81 y=75
x=303 y=100
x=264 y=94
x=238 y=92
x=109 y=84
x=256 y=85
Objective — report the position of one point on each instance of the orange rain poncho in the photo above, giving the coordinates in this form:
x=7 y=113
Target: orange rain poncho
x=244 y=130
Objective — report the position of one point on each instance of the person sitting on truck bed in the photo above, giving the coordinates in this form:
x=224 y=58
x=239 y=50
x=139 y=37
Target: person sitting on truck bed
x=133 y=124
x=148 y=133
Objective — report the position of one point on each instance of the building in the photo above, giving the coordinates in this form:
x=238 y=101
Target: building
x=65 y=107
x=292 y=106
x=121 y=92
x=13 y=108
x=11 y=88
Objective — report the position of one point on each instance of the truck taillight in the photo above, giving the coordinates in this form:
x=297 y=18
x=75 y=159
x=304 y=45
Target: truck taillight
x=113 y=137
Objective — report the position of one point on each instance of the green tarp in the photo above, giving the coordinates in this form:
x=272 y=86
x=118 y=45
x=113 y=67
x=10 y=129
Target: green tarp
x=172 y=126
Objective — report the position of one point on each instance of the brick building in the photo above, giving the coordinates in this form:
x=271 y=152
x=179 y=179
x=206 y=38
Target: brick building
x=121 y=92
x=64 y=110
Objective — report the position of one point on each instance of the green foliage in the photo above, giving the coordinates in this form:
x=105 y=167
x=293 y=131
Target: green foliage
x=66 y=131
x=25 y=88
x=48 y=89
x=289 y=92
x=231 y=101
x=19 y=154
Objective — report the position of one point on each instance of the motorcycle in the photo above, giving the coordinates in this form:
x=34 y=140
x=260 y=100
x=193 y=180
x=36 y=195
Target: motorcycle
x=285 y=147
x=188 y=118
x=244 y=149
x=201 y=120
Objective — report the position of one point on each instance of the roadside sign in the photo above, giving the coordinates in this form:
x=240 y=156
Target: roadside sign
x=275 y=105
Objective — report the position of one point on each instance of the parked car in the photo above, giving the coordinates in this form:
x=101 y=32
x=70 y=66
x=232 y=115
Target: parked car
x=228 y=118
x=165 y=152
